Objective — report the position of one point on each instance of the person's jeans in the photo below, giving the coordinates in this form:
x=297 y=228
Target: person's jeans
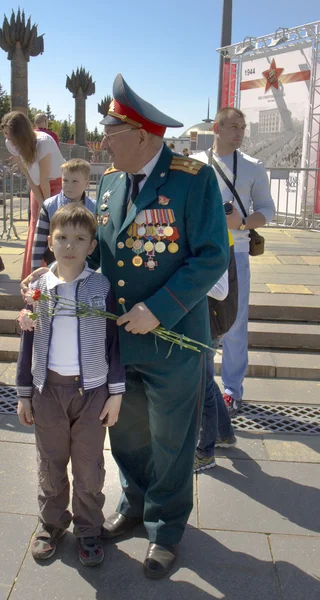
x=215 y=416
x=235 y=342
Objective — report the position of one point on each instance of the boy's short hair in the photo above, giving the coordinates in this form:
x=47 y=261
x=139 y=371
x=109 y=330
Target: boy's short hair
x=74 y=214
x=77 y=164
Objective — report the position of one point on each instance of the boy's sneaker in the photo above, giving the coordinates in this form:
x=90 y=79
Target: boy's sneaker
x=203 y=462
x=233 y=406
x=227 y=442
x=91 y=552
x=44 y=543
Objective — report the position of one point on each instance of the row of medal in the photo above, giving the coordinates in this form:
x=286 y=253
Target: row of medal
x=147 y=234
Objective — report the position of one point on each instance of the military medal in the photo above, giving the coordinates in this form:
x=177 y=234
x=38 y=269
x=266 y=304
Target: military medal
x=129 y=242
x=137 y=245
x=148 y=247
x=105 y=219
x=163 y=200
x=137 y=261
x=173 y=247
x=160 y=247
x=150 y=231
x=168 y=231
x=160 y=231
x=141 y=231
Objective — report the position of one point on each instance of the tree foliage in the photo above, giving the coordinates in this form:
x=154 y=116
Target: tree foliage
x=5 y=105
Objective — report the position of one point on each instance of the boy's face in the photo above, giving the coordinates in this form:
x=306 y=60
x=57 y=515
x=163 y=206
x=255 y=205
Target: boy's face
x=71 y=245
x=74 y=184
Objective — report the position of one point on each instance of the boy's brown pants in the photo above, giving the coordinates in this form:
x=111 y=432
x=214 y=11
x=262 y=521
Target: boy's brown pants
x=67 y=426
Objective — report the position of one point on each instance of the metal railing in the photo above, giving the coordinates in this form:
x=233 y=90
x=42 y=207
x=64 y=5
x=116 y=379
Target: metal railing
x=15 y=191
x=296 y=194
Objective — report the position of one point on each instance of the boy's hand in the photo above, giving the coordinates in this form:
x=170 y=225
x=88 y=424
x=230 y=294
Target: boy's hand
x=24 y=285
x=110 y=412
x=24 y=411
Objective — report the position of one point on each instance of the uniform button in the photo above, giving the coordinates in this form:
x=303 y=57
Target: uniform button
x=120 y=245
x=121 y=301
x=76 y=378
x=121 y=282
x=120 y=263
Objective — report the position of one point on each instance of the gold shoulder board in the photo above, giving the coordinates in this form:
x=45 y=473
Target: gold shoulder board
x=110 y=170
x=186 y=164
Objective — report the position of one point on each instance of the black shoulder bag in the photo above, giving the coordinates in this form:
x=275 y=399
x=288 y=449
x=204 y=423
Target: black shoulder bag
x=256 y=246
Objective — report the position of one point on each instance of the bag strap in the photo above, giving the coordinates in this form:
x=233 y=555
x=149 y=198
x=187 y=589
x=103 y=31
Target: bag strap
x=231 y=186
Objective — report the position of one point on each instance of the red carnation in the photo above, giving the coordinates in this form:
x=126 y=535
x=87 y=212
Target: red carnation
x=36 y=294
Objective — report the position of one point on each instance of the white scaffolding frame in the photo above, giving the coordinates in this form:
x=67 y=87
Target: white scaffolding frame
x=269 y=45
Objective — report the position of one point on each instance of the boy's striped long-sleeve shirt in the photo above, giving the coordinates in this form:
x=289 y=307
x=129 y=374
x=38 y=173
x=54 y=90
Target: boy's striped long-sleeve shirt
x=49 y=207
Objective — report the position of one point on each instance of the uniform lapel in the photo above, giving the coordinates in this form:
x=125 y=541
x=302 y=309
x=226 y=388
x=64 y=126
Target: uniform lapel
x=149 y=192
x=118 y=201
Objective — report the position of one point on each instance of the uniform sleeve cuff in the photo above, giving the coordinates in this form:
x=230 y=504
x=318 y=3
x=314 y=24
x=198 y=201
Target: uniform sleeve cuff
x=116 y=388
x=24 y=392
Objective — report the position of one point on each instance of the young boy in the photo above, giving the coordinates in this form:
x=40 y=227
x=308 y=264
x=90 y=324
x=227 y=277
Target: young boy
x=75 y=180
x=70 y=385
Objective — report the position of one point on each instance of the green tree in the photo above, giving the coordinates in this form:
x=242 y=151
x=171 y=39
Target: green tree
x=49 y=114
x=65 y=134
x=32 y=111
x=5 y=106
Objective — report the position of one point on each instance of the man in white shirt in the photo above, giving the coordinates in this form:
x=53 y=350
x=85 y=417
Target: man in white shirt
x=252 y=184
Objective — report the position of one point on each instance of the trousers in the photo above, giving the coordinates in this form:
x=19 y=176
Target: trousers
x=67 y=426
x=215 y=416
x=235 y=341
x=154 y=442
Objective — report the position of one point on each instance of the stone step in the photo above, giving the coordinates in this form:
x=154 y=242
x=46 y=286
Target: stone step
x=9 y=348
x=280 y=391
x=8 y=321
x=11 y=301
x=294 y=336
x=279 y=364
x=284 y=307
x=264 y=307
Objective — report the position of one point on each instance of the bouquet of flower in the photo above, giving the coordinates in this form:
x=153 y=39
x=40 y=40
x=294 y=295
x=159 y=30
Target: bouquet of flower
x=62 y=306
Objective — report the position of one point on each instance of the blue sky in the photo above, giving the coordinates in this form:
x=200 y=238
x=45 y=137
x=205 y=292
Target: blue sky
x=166 y=50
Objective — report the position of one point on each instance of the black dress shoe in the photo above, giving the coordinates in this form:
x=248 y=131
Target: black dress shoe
x=159 y=560
x=117 y=524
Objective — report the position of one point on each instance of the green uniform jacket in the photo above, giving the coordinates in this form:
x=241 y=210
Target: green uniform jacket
x=182 y=195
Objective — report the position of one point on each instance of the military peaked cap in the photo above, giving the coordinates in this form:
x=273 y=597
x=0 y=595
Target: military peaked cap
x=128 y=107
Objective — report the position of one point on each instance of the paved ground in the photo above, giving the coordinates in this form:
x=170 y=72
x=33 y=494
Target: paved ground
x=254 y=533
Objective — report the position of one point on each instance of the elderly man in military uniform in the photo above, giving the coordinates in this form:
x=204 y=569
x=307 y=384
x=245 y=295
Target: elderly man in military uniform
x=163 y=242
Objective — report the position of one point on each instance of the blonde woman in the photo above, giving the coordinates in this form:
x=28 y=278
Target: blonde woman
x=39 y=158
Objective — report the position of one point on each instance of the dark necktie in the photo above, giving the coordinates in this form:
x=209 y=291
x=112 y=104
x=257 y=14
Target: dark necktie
x=135 y=187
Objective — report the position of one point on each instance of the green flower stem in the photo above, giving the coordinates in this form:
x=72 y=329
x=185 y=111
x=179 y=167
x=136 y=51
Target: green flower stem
x=80 y=309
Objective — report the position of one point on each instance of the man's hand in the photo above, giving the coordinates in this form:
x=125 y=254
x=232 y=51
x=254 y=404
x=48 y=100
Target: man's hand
x=139 y=319
x=24 y=285
x=110 y=412
x=24 y=411
x=234 y=220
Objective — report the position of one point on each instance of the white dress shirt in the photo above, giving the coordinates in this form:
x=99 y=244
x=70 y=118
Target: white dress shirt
x=252 y=185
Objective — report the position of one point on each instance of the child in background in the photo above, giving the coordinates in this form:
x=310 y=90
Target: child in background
x=75 y=180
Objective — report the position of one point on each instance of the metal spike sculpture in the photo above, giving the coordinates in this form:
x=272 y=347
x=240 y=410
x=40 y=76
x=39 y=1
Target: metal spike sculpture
x=104 y=106
x=20 y=40
x=81 y=86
